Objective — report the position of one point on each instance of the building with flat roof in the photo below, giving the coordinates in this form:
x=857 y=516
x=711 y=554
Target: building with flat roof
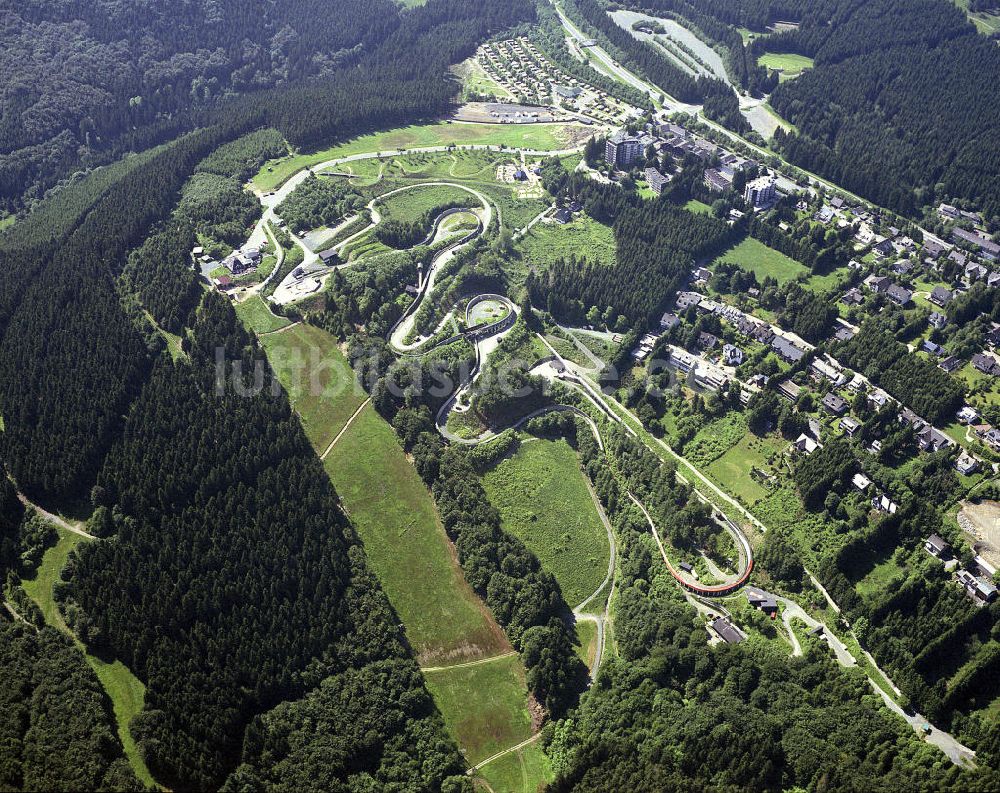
x=760 y=192
x=622 y=150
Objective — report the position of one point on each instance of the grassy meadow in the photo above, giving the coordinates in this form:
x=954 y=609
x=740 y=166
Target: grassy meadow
x=543 y=500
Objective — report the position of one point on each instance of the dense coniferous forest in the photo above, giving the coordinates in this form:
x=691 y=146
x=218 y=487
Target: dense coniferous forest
x=901 y=106
x=914 y=381
x=655 y=244
x=56 y=727
x=224 y=493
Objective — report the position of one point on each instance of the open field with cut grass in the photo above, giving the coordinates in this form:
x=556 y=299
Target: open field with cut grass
x=542 y=137
x=406 y=546
x=789 y=64
x=698 y=207
x=318 y=378
x=582 y=237
x=586 y=632
x=257 y=317
x=543 y=500
x=754 y=256
x=125 y=690
x=485 y=706
x=732 y=470
x=412 y=204
x=523 y=771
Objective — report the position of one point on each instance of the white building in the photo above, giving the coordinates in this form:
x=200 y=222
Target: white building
x=760 y=192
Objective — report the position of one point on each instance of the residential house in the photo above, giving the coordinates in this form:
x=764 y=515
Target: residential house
x=825 y=215
x=993 y=337
x=899 y=294
x=562 y=216
x=861 y=482
x=844 y=332
x=834 y=404
x=937 y=320
x=948 y=211
x=980 y=591
x=687 y=299
x=701 y=274
x=853 y=297
x=710 y=377
x=937 y=546
x=806 y=445
x=787 y=350
x=669 y=321
x=975 y=272
x=883 y=248
x=827 y=368
x=932 y=440
x=849 y=426
x=931 y=347
x=707 y=341
x=958 y=257
x=986 y=364
x=966 y=464
x=732 y=354
x=940 y=296
x=951 y=363
x=765 y=601
x=883 y=503
x=878 y=283
x=967 y=415
x=933 y=249
x=726 y=631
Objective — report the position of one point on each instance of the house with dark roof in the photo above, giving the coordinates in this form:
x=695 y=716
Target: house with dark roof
x=707 y=340
x=878 y=283
x=883 y=248
x=931 y=347
x=980 y=591
x=726 y=631
x=986 y=364
x=787 y=350
x=853 y=297
x=834 y=404
x=899 y=295
x=669 y=321
x=849 y=426
x=765 y=601
x=951 y=363
x=937 y=546
x=687 y=299
x=940 y=296
x=562 y=216
x=937 y=320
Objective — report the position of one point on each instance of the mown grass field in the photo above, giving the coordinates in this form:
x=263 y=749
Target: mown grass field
x=523 y=771
x=543 y=500
x=125 y=690
x=258 y=318
x=547 y=242
x=542 y=137
x=698 y=207
x=318 y=379
x=485 y=706
x=415 y=202
x=754 y=256
x=406 y=545
x=732 y=470
x=789 y=64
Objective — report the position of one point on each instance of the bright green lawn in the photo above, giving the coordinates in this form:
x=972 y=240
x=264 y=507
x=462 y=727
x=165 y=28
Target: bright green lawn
x=789 y=64
x=406 y=545
x=754 y=256
x=7 y=220
x=125 y=690
x=732 y=470
x=698 y=207
x=523 y=771
x=415 y=202
x=543 y=500
x=318 y=379
x=258 y=318
x=582 y=237
x=543 y=137
x=484 y=706
x=586 y=632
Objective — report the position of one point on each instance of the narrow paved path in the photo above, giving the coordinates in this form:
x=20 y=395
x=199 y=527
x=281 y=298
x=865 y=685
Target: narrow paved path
x=53 y=518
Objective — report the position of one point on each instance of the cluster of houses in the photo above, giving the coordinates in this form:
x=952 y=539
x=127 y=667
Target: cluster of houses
x=522 y=71
x=976 y=581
